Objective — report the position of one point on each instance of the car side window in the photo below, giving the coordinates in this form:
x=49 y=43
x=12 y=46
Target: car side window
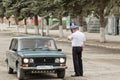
x=14 y=44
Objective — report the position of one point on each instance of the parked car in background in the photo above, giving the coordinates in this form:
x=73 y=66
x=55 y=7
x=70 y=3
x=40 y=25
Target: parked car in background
x=31 y=55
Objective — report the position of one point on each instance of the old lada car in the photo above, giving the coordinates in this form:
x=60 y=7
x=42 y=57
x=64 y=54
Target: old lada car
x=31 y=55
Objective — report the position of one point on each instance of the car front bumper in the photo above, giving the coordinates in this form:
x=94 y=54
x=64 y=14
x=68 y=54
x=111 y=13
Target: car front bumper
x=43 y=69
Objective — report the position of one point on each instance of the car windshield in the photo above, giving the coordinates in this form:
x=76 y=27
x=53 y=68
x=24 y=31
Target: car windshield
x=37 y=44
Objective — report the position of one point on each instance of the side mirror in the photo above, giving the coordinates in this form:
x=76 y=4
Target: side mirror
x=59 y=49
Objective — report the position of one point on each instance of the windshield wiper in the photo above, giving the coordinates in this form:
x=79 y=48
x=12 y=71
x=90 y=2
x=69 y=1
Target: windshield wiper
x=40 y=48
x=26 y=49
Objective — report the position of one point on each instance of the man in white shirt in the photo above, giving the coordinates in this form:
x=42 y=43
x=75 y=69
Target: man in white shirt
x=78 y=42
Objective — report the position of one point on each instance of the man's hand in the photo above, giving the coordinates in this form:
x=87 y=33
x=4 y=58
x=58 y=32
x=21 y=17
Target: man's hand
x=69 y=37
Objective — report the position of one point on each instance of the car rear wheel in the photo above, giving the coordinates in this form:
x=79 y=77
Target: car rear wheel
x=20 y=73
x=61 y=73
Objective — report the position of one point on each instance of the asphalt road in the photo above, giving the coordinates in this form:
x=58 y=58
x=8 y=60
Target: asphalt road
x=99 y=63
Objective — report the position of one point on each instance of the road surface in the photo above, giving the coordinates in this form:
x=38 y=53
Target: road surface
x=99 y=63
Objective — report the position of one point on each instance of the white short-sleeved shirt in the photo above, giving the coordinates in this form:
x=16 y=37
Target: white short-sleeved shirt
x=77 y=39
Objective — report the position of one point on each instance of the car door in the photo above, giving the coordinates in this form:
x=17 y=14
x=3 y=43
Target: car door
x=12 y=54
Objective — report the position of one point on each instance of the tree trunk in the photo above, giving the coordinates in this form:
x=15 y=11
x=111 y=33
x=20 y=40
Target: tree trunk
x=102 y=26
x=25 y=26
x=102 y=34
x=61 y=34
x=80 y=22
x=2 y=20
x=36 y=25
x=16 y=20
x=42 y=27
x=17 y=25
x=47 y=26
x=1 y=24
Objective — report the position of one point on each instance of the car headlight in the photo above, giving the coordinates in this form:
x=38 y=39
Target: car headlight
x=62 y=60
x=57 y=60
x=25 y=60
x=31 y=60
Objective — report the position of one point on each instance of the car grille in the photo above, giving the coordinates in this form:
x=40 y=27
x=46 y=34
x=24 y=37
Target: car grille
x=44 y=60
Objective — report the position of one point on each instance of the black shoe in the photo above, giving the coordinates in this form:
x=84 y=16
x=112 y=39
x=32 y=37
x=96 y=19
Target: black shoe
x=76 y=75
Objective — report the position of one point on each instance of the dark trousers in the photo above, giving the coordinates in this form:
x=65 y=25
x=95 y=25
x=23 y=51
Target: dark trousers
x=77 y=60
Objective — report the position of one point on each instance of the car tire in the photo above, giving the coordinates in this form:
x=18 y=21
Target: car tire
x=20 y=73
x=61 y=73
x=9 y=70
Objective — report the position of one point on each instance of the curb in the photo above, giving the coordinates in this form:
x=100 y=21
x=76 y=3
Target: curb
x=97 y=44
x=103 y=46
x=91 y=43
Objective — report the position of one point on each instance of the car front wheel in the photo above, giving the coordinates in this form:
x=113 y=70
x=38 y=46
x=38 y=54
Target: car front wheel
x=20 y=73
x=10 y=70
x=61 y=73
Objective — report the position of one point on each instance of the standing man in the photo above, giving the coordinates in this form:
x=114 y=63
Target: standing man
x=78 y=42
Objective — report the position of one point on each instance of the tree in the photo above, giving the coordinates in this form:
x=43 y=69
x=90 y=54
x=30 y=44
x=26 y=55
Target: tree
x=77 y=9
x=2 y=10
x=38 y=8
x=25 y=12
x=31 y=9
x=102 y=8
x=54 y=9
x=60 y=12
x=12 y=7
x=48 y=7
x=22 y=9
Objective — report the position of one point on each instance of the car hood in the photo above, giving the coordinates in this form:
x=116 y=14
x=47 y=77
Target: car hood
x=41 y=54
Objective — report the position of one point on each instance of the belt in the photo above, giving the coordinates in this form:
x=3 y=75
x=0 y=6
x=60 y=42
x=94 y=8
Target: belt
x=77 y=46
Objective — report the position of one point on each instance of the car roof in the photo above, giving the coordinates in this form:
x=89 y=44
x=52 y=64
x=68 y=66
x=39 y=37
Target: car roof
x=32 y=37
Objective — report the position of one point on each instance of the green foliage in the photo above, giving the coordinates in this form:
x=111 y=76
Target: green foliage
x=107 y=6
x=28 y=8
x=75 y=7
x=2 y=9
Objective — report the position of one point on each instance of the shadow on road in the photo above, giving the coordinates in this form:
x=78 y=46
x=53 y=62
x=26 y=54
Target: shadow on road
x=43 y=76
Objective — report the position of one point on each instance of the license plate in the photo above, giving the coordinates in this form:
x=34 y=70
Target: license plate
x=44 y=67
